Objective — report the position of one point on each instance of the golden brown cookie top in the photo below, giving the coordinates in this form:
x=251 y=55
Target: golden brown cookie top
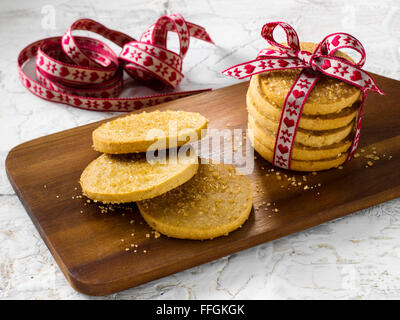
x=131 y=177
x=137 y=132
x=330 y=92
x=214 y=202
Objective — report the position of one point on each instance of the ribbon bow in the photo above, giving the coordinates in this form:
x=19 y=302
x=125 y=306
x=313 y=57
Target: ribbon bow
x=321 y=61
x=86 y=73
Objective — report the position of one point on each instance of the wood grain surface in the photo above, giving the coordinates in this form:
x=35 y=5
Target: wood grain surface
x=90 y=246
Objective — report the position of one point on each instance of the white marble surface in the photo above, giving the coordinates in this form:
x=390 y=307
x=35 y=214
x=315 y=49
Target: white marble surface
x=356 y=257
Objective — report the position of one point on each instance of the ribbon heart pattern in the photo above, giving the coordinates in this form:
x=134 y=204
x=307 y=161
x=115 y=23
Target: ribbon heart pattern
x=313 y=65
x=86 y=73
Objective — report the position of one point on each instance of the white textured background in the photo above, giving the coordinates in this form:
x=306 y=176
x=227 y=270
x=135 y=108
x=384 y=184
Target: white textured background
x=356 y=257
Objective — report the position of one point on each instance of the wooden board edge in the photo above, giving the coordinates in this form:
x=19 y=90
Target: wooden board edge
x=102 y=289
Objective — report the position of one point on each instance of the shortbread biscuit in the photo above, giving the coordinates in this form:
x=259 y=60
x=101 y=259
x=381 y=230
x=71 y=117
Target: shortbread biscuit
x=216 y=201
x=127 y=178
x=329 y=95
x=308 y=122
x=299 y=165
x=300 y=152
x=315 y=139
x=139 y=132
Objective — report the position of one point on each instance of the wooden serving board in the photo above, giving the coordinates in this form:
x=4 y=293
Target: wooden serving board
x=88 y=245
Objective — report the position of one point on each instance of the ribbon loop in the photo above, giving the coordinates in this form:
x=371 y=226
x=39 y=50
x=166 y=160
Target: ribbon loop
x=313 y=65
x=291 y=37
x=172 y=22
x=336 y=41
x=89 y=52
x=86 y=73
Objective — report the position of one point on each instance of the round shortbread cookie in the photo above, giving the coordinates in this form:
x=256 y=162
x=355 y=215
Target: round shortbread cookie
x=300 y=152
x=329 y=95
x=299 y=165
x=148 y=131
x=308 y=122
x=315 y=139
x=130 y=177
x=216 y=201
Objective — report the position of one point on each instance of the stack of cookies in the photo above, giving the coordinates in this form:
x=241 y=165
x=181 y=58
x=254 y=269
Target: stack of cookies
x=326 y=128
x=176 y=195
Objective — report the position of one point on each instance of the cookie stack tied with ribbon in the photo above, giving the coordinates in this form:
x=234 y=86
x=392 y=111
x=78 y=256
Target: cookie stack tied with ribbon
x=175 y=194
x=86 y=73
x=305 y=101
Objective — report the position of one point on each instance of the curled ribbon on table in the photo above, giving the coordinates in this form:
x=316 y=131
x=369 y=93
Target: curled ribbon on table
x=86 y=73
x=321 y=61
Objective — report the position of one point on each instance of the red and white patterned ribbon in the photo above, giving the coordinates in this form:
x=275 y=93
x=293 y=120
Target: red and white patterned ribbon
x=86 y=73
x=321 y=61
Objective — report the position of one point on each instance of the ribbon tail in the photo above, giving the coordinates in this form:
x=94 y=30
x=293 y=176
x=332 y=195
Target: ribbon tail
x=128 y=104
x=357 y=133
x=346 y=71
x=263 y=64
x=243 y=70
x=290 y=118
x=199 y=32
